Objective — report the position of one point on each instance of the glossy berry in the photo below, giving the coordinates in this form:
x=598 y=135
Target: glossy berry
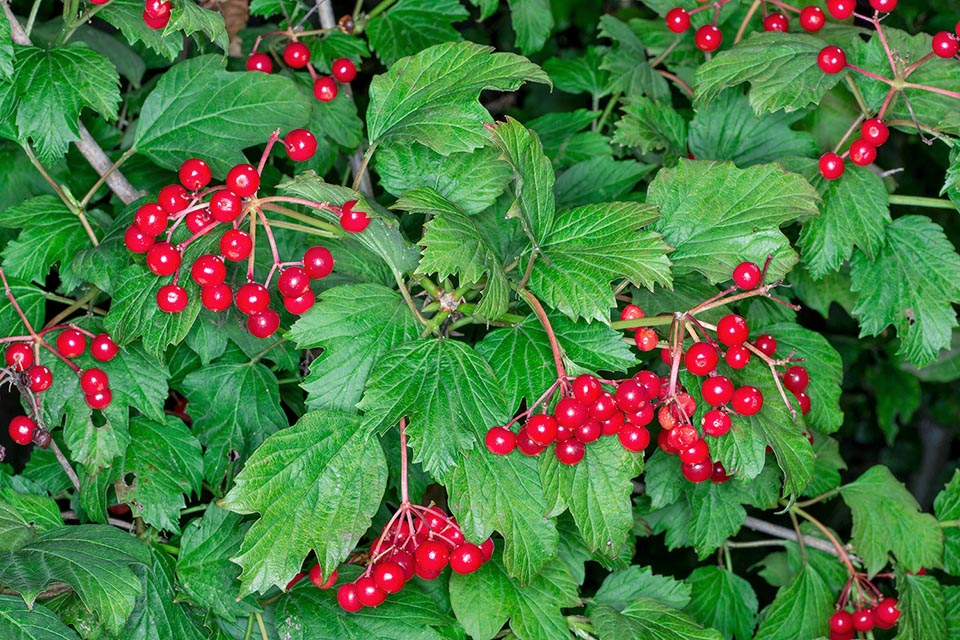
x=208 y=270
x=863 y=620
x=747 y=400
x=716 y=390
x=874 y=131
x=225 y=206
x=631 y=312
x=682 y=437
x=708 y=38
x=678 y=20
x=884 y=6
x=316 y=577
x=831 y=59
x=157 y=8
x=701 y=358
x=389 y=576
x=715 y=423
x=21 y=430
x=318 y=262
x=747 y=276
x=136 y=240
x=589 y=431
x=103 y=348
x=697 y=472
x=172 y=298
x=571 y=413
x=353 y=221
x=633 y=438
x=466 y=558
x=586 y=388
x=612 y=425
x=158 y=22
x=886 y=613
x=40 y=378
x=766 y=343
x=19 y=355
x=163 y=259
x=252 y=297
x=541 y=428
x=796 y=379
x=259 y=62
x=695 y=453
x=94 y=380
x=649 y=381
x=737 y=357
x=99 y=400
x=604 y=407
x=570 y=452
x=194 y=174
x=841 y=622
x=300 y=145
x=243 y=180
x=432 y=555
x=641 y=418
x=343 y=70
x=173 y=198
x=500 y=441
x=841 y=9
x=945 y=44
x=804 y=401
x=527 y=446
x=776 y=22
x=732 y=330
x=812 y=19
x=199 y=220
x=151 y=218
x=263 y=324
x=486 y=549
x=631 y=396
x=368 y=593
x=235 y=245
x=862 y=152
x=296 y=55
x=301 y=304
x=831 y=165
x=216 y=297
x=347 y=598
x=293 y=282
x=646 y=339
x=325 y=88
x=71 y=343
x=719 y=474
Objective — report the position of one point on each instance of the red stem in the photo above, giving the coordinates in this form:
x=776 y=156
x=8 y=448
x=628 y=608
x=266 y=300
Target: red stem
x=541 y=314
x=404 y=492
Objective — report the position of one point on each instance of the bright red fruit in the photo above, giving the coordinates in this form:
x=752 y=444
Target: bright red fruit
x=719 y=474
x=747 y=276
x=208 y=270
x=570 y=451
x=353 y=221
x=301 y=304
x=841 y=622
x=796 y=379
x=678 y=20
x=172 y=298
x=136 y=240
x=646 y=339
x=831 y=166
x=697 y=472
x=103 y=348
x=389 y=576
x=19 y=355
x=500 y=440
x=216 y=297
x=874 y=131
x=695 y=453
x=586 y=388
x=701 y=358
x=466 y=558
x=863 y=620
x=708 y=38
x=945 y=44
x=225 y=206
x=884 y=6
x=541 y=429
x=812 y=19
x=631 y=396
x=571 y=413
x=94 y=380
x=263 y=324
x=293 y=282
x=776 y=22
x=766 y=343
x=432 y=556
x=71 y=343
x=716 y=390
x=841 y=9
x=252 y=297
x=99 y=400
x=21 y=430
x=235 y=245
x=40 y=378
x=591 y=430
x=325 y=88
x=486 y=549
x=198 y=220
x=151 y=218
x=368 y=593
x=347 y=598
x=163 y=259
x=732 y=329
x=300 y=145
x=886 y=613
x=631 y=312
x=243 y=180
x=832 y=59
x=158 y=22
x=316 y=577
x=527 y=446
x=737 y=357
x=715 y=423
x=173 y=198
x=862 y=152
x=194 y=174
x=633 y=438
x=343 y=69
x=318 y=262
x=747 y=400
x=259 y=62
x=296 y=55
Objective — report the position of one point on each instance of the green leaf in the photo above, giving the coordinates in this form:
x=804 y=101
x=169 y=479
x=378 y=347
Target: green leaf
x=431 y=97
x=780 y=67
x=564 y=142
x=191 y=18
x=911 y=285
x=199 y=110
x=532 y=606
x=924 y=608
x=453 y=244
x=32 y=303
x=412 y=25
x=24 y=517
x=165 y=462
x=472 y=181
x=353 y=337
x=593 y=245
x=826 y=470
x=887 y=519
x=627 y=63
x=311 y=494
x=599 y=179
x=723 y=600
x=95 y=560
x=54 y=86
x=716 y=215
x=532 y=21
x=490 y=492
x=946 y=507
x=205 y=573
x=897 y=394
x=336 y=44
x=127 y=16
x=230 y=429
x=651 y=126
x=50 y=234
x=446 y=390
x=820 y=294
x=6 y=50
x=715 y=515
x=579 y=75
x=18 y=621
x=158 y=614
x=801 y=608
x=139 y=381
x=647 y=619
x=620 y=588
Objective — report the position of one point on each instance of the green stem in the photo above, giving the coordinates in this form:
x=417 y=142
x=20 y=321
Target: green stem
x=362 y=169
x=919 y=201
x=169 y=548
x=607 y=110
x=116 y=165
x=280 y=224
x=249 y=633
x=263 y=628
x=949 y=524
x=380 y=8
x=197 y=509
x=32 y=18
x=820 y=498
x=409 y=299
x=652 y=321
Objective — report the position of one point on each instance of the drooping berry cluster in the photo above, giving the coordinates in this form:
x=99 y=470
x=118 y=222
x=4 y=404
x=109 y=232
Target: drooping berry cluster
x=204 y=209
x=862 y=608
x=296 y=55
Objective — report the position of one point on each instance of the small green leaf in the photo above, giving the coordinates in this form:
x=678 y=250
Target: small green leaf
x=626 y=60
x=412 y=25
x=127 y=16
x=17 y=620
x=50 y=234
x=6 y=50
x=579 y=75
x=311 y=494
x=599 y=179
x=532 y=22
x=191 y=18
x=923 y=607
x=826 y=470
x=24 y=517
x=564 y=140
x=651 y=126
x=946 y=507
x=801 y=608
x=723 y=600
x=32 y=302
x=715 y=515
x=620 y=588
x=647 y=619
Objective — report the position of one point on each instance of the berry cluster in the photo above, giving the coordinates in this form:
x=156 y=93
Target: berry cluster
x=862 y=608
x=418 y=541
x=204 y=209
x=296 y=55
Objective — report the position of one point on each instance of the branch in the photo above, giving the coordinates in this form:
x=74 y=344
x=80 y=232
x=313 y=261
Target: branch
x=755 y=524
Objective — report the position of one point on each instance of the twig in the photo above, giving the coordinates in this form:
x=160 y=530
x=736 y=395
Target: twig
x=74 y=480
x=755 y=524
x=116 y=522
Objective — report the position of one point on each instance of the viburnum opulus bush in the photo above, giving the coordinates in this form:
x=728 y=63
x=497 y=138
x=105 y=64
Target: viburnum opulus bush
x=441 y=319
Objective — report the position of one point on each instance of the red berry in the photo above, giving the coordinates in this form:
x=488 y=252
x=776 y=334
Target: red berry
x=884 y=6
x=216 y=297
x=347 y=598
x=436 y=519
x=697 y=472
x=94 y=380
x=136 y=240
x=708 y=38
x=194 y=174
x=945 y=44
x=19 y=355
x=841 y=622
x=646 y=339
x=631 y=312
x=21 y=430
x=612 y=425
x=225 y=206
x=874 y=131
x=586 y=388
x=649 y=381
x=812 y=19
x=570 y=413
x=737 y=357
x=804 y=400
x=841 y=9
x=633 y=438
x=527 y=446
x=318 y=262
x=354 y=221
x=259 y=62
x=296 y=55
x=163 y=259
x=40 y=378
x=293 y=282
x=343 y=69
x=715 y=423
x=466 y=558
x=701 y=358
x=300 y=144
x=243 y=180
x=766 y=344
x=747 y=400
x=796 y=378
x=368 y=593
x=832 y=59
x=863 y=620
x=301 y=304
x=236 y=245
x=716 y=390
x=678 y=20
x=500 y=441
x=569 y=452
x=103 y=348
x=389 y=576
x=151 y=218
x=172 y=298
x=100 y=399
x=732 y=330
x=631 y=396
x=263 y=324
x=157 y=8
x=831 y=166
x=719 y=474
x=886 y=613
x=747 y=276
x=604 y=407
x=208 y=270
x=862 y=152
x=173 y=198
x=641 y=418
x=486 y=549
x=589 y=431
x=316 y=577
x=776 y=22
x=667 y=416
x=695 y=453
x=682 y=437
x=198 y=220
x=541 y=428
x=432 y=555
x=157 y=22
x=325 y=88
x=71 y=343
